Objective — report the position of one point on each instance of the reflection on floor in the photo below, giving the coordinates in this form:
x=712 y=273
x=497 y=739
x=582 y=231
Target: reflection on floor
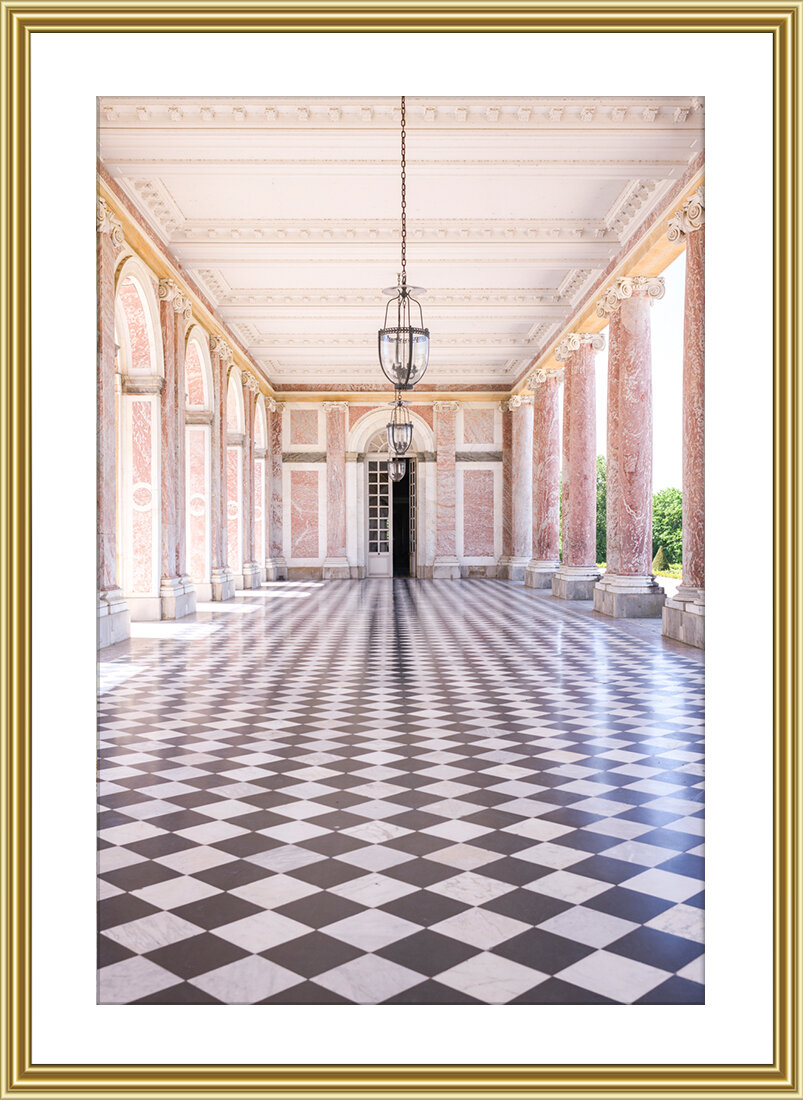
x=400 y=792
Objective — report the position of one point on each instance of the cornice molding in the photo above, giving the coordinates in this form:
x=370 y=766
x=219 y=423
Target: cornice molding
x=650 y=285
x=573 y=341
x=109 y=223
x=688 y=218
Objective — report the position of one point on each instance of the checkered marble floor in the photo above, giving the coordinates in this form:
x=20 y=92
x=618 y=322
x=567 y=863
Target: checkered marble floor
x=399 y=792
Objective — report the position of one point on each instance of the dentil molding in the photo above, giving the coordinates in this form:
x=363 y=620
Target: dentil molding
x=626 y=287
x=573 y=341
x=691 y=216
x=108 y=223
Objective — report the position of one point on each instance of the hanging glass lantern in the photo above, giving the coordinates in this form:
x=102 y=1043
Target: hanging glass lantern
x=396 y=468
x=400 y=428
x=404 y=346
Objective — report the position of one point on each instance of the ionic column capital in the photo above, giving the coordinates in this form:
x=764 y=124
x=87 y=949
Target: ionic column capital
x=517 y=401
x=689 y=217
x=274 y=406
x=629 y=285
x=170 y=292
x=109 y=223
x=218 y=346
x=250 y=382
x=334 y=406
x=573 y=341
x=537 y=378
x=446 y=406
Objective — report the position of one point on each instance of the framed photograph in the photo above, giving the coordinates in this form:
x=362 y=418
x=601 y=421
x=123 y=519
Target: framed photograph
x=400 y=695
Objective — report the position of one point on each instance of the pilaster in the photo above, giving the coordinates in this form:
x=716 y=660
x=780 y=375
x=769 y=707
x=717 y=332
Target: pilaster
x=222 y=579
x=275 y=565
x=546 y=479
x=512 y=568
x=446 y=565
x=252 y=570
x=336 y=563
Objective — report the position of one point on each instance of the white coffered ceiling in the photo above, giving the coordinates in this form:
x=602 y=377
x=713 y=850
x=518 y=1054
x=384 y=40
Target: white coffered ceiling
x=286 y=213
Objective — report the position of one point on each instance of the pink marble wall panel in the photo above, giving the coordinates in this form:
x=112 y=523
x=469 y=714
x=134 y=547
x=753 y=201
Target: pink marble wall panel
x=478 y=513
x=546 y=470
x=445 y=533
x=107 y=443
x=507 y=484
x=275 y=508
x=304 y=513
x=259 y=511
x=234 y=507
x=694 y=413
x=612 y=456
x=336 y=483
x=478 y=426
x=196 y=384
x=357 y=411
x=303 y=426
x=425 y=412
x=139 y=342
x=197 y=502
x=635 y=437
x=522 y=479
x=579 y=459
x=142 y=497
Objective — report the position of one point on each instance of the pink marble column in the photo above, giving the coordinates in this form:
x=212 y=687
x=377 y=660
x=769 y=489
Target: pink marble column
x=578 y=573
x=252 y=569
x=684 y=614
x=176 y=590
x=612 y=458
x=222 y=581
x=521 y=489
x=113 y=615
x=446 y=565
x=631 y=591
x=546 y=479
x=276 y=566
x=336 y=564
x=507 y=490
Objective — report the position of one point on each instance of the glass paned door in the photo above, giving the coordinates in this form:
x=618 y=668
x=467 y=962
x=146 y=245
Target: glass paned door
x=379 y=557
x=413 y=517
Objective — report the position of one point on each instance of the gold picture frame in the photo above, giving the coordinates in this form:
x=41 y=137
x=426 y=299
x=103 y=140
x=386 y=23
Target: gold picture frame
x=20 y=20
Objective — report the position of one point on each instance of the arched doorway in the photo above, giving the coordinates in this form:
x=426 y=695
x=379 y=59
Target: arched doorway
x=390 y=528
x=198 y=435
x=141 y=369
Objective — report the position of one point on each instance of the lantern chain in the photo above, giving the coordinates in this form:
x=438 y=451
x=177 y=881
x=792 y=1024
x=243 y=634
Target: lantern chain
x=403 y=198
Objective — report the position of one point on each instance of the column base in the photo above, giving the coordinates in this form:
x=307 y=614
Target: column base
x=625 y=597
x=275 y=569
x=539 y=574
x=336 y=569
x=177 y=596
x=575 y=582
x=252 y=575
x=222 y=584
x=203 y=591
x=684 y=620
x=511 y=569
x=446 y=569
x=114 y=619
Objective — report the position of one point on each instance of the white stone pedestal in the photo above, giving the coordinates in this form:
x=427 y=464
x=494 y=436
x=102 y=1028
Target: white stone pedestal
x=114 y=620
x=222 y=584
x=575 y=582
x=446 y=569
x=252 y=575
x=626 y=597
x=336 y=569
x=539 y=574
x=684 y=617
x=275 y=569
x=512 y=569
x=177 y=595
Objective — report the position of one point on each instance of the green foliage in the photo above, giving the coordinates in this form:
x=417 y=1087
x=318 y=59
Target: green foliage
x=659 y=562
x=602 y=496
x=667 y=524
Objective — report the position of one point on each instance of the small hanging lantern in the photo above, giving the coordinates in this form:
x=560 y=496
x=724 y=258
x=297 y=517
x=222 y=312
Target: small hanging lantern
x=404 y=347
x=400 y=428
x=396 y=468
